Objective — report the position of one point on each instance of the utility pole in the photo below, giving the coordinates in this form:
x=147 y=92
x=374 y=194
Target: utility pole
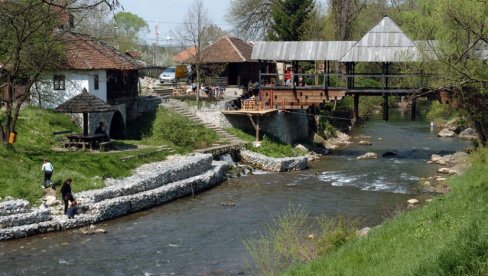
x=156 y=48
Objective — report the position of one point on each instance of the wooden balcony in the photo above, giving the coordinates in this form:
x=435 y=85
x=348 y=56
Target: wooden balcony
x=300 y=97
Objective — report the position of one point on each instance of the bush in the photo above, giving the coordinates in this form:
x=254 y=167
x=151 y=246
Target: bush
x=290 y=240
x=440 y=113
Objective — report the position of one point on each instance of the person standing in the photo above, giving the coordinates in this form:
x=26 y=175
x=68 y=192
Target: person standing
x=66 y=194
x=47 y=168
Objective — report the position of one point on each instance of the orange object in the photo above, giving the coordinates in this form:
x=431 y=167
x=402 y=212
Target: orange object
x=12 y=137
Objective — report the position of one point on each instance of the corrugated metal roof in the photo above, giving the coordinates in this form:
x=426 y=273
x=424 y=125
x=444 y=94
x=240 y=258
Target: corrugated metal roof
x=300 y=50
x=385 y=42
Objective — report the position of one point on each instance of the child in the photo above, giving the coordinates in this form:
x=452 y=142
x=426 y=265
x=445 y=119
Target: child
x=47 y=168
x=72 y=210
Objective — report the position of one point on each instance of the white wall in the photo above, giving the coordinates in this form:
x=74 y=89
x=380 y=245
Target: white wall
x=75 y=82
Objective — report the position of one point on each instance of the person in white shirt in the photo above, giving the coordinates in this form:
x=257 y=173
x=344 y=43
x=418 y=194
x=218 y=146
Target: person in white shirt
x=47 y=168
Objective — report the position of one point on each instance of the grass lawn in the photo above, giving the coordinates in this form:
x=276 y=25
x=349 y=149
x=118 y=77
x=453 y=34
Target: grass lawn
x=448 y=236
x=21 y=175
x=268 y=147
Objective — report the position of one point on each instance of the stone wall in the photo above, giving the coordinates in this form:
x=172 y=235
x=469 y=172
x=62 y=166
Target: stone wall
x=274 y=164
x=151 y=185
x=287 y=127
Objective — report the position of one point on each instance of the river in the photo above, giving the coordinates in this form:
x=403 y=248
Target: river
x=203 y=237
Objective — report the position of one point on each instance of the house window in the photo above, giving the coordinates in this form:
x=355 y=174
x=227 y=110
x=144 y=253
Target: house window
x=97 y=82
x=59 y=82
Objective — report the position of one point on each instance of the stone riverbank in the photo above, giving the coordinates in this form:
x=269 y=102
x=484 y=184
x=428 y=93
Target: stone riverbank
x=150 y=185
x=273 y=164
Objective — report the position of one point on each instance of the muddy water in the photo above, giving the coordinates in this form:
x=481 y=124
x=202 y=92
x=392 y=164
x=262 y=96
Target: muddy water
x=203 y=237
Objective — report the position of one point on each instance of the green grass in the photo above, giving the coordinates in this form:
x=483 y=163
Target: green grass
x=448 y=236
x=268 y=146
x=173 y=128
x=21 y=176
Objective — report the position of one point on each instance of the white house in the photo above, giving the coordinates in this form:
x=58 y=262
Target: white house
x=105 y=73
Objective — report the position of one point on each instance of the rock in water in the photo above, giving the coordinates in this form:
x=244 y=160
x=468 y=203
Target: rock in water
x=469 y=133
x=446 y=133
x=389 y=154
x=368 y=155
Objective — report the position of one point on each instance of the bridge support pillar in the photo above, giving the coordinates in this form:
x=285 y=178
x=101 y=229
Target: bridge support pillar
x=413 y=109
x=356 y=106
x=385 y=107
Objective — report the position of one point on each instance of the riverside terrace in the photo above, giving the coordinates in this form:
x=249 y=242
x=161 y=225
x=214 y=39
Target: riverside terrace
x=383 y=53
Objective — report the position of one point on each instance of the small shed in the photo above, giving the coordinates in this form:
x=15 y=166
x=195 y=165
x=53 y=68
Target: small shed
x=84 y=103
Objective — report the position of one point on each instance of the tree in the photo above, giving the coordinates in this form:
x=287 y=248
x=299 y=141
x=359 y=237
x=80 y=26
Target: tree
x=195 y=33
x=344 y=12
x=128 y=28
x=288 y=19
x=251 y=18
x=459 y=27
x=32 y=33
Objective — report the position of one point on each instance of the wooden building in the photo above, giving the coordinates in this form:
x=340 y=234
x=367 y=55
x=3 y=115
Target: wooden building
x=384 y=45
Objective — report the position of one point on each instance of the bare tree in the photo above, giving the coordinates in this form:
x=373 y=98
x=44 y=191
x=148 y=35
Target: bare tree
x=195 y=33
x=344 y=12
x=251 y=18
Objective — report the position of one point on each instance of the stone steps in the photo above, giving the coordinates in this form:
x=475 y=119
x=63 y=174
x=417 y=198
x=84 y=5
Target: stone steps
x=225 y=137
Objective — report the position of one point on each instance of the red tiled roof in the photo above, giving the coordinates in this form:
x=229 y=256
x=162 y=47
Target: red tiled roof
x=87 y=53
x=134 y=54
x=185 y=54
x=227 y=50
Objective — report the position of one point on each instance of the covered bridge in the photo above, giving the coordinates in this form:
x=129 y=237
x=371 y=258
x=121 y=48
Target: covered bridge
x=384 y=45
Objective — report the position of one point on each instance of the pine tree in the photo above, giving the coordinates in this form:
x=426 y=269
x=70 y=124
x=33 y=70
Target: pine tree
x=288 y=19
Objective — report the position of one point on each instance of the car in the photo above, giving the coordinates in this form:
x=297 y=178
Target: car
x=168 y=75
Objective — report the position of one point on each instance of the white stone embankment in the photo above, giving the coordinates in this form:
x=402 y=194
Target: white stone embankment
x=149 y=186
x=274 y=164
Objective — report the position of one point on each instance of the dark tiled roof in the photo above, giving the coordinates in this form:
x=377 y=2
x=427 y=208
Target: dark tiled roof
x=86 y=53
x=84 y=103
x=227 y=50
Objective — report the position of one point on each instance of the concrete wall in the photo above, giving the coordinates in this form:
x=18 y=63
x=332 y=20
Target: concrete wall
x=287 y=127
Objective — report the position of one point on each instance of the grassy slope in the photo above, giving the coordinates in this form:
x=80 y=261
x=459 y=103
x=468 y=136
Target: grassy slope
x=447 y=236
x=268 y=147
x=20 y=173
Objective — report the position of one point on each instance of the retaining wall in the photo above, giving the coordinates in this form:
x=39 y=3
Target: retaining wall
x=151 y=185
x=274 y=164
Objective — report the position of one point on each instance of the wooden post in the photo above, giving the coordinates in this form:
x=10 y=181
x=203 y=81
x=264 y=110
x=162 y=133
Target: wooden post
x=413 y=109
x=85 y=123
x=385 y=107
x=256 y=125
x=356 y=106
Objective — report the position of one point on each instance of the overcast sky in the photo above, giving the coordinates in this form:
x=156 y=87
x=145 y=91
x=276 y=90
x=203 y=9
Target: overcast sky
x=170 y=14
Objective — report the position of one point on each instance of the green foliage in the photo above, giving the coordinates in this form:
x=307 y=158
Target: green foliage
x=268 y=146
x=129 y=28
x=446 y=237
x=170 y=127
x=288 y=19
x=440 y=113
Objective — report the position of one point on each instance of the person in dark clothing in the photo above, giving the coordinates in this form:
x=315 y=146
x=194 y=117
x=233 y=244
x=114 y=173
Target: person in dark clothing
x=72 y=210
x=66 y=194
x=101 y=129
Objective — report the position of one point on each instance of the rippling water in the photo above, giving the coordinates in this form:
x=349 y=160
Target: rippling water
x=204 y=237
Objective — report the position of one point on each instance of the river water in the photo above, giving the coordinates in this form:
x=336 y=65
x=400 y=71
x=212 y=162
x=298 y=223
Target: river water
x=203 y=237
